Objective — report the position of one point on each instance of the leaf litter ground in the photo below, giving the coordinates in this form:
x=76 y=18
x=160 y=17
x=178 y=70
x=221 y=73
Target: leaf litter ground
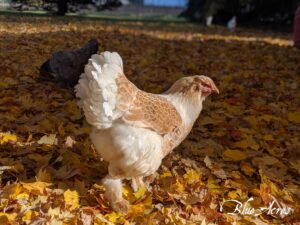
x=245 y=143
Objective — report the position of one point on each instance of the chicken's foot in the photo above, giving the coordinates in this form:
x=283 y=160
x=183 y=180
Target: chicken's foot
x=113 y=193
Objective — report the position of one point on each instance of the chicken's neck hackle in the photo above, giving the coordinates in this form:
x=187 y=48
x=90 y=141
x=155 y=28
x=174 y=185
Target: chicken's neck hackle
x=189 y=107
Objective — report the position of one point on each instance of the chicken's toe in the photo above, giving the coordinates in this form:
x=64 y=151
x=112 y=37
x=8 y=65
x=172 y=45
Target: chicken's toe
x=137 y=183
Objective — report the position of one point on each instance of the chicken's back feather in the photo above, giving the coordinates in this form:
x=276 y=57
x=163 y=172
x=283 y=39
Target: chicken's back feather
x=106 y=95
x=97 y=89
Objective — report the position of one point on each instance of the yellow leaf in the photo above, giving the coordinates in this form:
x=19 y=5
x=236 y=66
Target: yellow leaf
x=252 y=120
x=268 y=118
x=192 y=176
x=36 y=186
x=53 y=212
x=56 y=222
x=18 y=167
x=275 y=190
x=207 y=120
x=268 y=137
x=101 y=220
x=11 y=191
x=3 y=84
x=140 y=193
x=46 y=124
x=137 y=209
x=294 y=117
x=71 y=199
x=113 y=217
x=242 y=144
x=27 y=215
x=61 y=130
x=234 y=155
x=7 y=137
x=26 y=101
x=7 y=218
x=166 y=173
x=48 y=140
x=178 y=186
x=147 y=202
x=247 y=169
x=43 y=176
x=3 y=218
x=22 y=196
x=232 y=109
x=29 y=139
x=247 y=143
x=3 y=203
x=295 y=163
x=79 y=186
x=212 y=185
x=235 y=194
x=126 y=190
x=73 y=110
x=266 y=160
x=282 y=85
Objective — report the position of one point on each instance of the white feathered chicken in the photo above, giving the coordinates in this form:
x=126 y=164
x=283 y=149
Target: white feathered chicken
x=133 y=130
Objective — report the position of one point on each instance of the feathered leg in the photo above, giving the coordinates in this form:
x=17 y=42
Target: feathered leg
x=136 y=183
x=113 y=193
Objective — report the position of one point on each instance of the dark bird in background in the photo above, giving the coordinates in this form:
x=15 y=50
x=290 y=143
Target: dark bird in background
x=65 y=67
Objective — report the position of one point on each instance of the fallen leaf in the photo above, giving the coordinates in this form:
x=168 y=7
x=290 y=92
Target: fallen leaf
x=48 y=140
x=72 y=199
x=294 y=117
x=36 y=187
x=234 y=155
x=192 y=176
x=69 y=142
x=247 y=169
x=7 y=137
x=43 y=176
x=140 y=193
x=268 y=137
x=247 y=143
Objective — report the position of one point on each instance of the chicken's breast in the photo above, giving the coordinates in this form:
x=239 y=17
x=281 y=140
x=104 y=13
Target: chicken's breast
x=130 y=151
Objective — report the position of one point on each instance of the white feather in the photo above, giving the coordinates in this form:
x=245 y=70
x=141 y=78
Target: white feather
x=130 y=151
x=188 y=110
x=97 y=89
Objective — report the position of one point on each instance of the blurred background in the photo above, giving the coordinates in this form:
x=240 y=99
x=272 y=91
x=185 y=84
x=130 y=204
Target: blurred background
x=208 y=12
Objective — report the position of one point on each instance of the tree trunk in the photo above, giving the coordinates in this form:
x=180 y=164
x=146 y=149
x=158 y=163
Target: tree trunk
x=200 y=9
x=62 y=6
x=194 y=10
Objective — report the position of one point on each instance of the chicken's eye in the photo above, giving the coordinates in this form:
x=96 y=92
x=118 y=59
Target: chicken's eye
x=204 y=84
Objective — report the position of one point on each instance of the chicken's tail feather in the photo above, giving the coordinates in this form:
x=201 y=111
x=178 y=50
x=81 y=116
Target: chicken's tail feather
x=97 y=89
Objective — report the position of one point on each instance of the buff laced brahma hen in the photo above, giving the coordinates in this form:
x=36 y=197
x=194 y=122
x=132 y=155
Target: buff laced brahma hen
x=134 y=130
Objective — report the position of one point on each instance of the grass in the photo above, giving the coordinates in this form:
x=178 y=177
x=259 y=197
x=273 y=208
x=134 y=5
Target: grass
x=163 y=19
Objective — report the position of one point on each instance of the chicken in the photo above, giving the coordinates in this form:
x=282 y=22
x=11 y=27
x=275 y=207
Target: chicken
x=231 y=24
x=209 y=21
x=134 y=130
x=65 y=67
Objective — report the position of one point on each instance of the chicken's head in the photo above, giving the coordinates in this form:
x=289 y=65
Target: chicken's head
x=198 y=86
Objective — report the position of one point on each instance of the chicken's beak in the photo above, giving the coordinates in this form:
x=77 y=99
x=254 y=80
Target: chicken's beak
x=214 y=87
x=208 y=85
